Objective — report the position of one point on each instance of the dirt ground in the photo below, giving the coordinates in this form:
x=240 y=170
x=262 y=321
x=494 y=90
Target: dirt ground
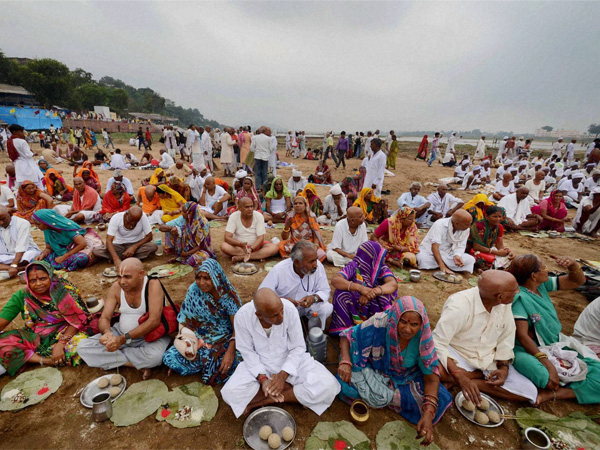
x=61 y=421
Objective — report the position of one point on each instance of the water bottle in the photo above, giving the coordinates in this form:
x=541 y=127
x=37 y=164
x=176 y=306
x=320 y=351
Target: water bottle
x=158 y=242
x=317 y=344
x=313 y=320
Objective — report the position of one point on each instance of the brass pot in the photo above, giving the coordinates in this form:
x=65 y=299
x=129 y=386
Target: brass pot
x=359 y=412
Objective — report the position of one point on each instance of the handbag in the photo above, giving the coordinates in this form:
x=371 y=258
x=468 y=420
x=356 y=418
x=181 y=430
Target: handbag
x=168 y=319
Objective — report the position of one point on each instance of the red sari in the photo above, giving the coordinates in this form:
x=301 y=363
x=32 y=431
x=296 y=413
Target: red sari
x=556 y=213
x=422 y=151
x=111 y=204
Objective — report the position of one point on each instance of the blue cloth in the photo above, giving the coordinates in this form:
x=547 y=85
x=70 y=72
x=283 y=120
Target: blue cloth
x=407 y=199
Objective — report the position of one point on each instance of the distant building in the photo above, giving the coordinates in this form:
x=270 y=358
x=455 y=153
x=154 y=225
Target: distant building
x=15 y=95
x=560 y=133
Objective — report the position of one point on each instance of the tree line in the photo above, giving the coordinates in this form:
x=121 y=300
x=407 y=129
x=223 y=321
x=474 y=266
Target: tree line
x=54 y=84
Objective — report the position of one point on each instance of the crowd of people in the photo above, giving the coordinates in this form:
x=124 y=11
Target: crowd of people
x=501 y=337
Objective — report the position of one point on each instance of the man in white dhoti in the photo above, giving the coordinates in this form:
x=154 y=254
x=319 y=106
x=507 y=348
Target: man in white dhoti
x=17 y=248
x=273 y=155
x=227 y=156
x=197 y=156
x=502 y=153
x=288 y=143
x=207 y=148
x=557 y=148
x=297 y=182
x=480 y=150
x=190 y=137
x=587 y=220
x=123 y=344
x=573 y=189
x=445 y=245
x=570 y=152
x=375 y=168
x=86 y=203
x=416 y=202
x=213 y=200
x=302 y=280
x=592 y=182
x=22 y=157
x=117 y=161
x=276 y=366
x=473 y=179
x=587 y=327
x=504 y=187
x=118 y=176
x=166 y=160
x=518 y=211
x=442 y=203
x=475 y=338
x=519 y=146
x=348 y=234
x=334 y=206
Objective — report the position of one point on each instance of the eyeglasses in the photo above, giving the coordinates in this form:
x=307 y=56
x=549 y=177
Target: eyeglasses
x=543 y=269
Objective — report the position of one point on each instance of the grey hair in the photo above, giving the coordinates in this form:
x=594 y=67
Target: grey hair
x=416 y=184
x=297 y=253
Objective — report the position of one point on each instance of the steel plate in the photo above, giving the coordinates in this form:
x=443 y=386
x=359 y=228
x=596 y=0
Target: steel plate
x=276 y=418
x=92 y=389
x=470 y=415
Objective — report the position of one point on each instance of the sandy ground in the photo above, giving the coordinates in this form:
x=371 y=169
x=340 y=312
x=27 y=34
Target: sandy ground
x=61 y=421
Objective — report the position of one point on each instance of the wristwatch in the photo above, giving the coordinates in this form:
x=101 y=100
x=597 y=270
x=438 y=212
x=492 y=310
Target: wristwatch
x=127 y=339
x=14 y=266
x=316 y=298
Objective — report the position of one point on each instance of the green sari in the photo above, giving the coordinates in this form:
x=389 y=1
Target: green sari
x=541 y=316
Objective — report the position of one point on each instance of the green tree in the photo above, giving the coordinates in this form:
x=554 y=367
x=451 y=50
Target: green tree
x=118 y=100
x=9 y=70
x=547 y=128
x=90 y=95
x=49 y=80
x=80 y=77
x=594 y=129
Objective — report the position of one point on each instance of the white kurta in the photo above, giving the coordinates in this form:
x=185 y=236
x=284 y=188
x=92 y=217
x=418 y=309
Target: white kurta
x=314 y=386
x=439 y=234
x=344 y=240
x=442 y=204
x=593 y=219
x=226 y=148
x=376 y=172
x=287 y=284
x=330 y=208
x=117 y=161
x=25 y=167
x=295 y=186
x=515 y=210
x=16 y=238
x=480 y=150
x=273 y=156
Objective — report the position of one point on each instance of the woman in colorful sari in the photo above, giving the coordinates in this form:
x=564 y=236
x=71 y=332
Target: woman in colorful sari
x=89 y=175
x=88 y=138
x=314 y=202
x=188 y=236
x=399 y=235
x=301 y=224
x=278 y=201
x=395 y=351
x=56 y=320
x=477 y=206
x=171 y=202
x=178 y=186
x=72 y=139
x=44 y=166
x=349 y=189
x=249 y=191
x=553 y=211
x=422 y=151
x=393 y=153
x=30 y=199
x=486 y=242
x=205 y=344
x=364 y=287
x=539 y=336
x=66 y=247
x=375 y=209
x=157 y=178
x=57 y=186
x=322 y=174
x=116 y=200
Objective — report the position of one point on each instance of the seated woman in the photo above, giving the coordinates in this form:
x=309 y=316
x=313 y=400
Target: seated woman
x=157 y=178
x=587 y=219
x=398 y=346
x=89 y=175
x=30 y=199
x=44 y=166
x=188 y=236
x=314 y=202
x=278 y=201
x=171 y=202
x=301 y=224
x=205 y=344
x=178 y=186
x=477 y=206
x=247 y=190
x=322 y=174
x=375 y=209
x=116 y=200
x=57 y=186
x=364 y=287
x=486 y=241
x=349 y=189
x=68 y=246
x=538 y=328
x=56 y=320
x=554 y=212
x=400 y=236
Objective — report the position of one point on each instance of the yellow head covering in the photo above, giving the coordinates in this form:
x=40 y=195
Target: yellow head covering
x=154 y=177
x=363 y=204
x=479 y=198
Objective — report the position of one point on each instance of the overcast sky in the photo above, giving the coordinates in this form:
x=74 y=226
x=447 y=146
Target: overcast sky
x=336 y=65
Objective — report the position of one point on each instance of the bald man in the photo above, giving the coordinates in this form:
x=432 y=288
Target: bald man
x=348 y=234
x=445 y=245
x=276 y=366
x=129 y=235
x=475 y=337
x=150 y=203
x=518 y=211
x=214 y=199
x=86 y=203
x=17 y=247
x=123 y=344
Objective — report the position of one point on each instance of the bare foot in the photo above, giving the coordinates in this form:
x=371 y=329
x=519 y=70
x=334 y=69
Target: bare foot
x=146 y=374
x=237 y=259
x=543 y=397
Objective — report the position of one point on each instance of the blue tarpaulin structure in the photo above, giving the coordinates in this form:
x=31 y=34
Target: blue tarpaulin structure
x=26 y=117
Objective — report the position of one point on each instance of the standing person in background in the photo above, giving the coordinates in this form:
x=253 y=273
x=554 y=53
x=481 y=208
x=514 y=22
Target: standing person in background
x=3 y=138
x=148 y=137
x=21 y=155
x=557 y=148
x=245 y=139
x=422 y=150
x=141 y=139
x=273 y=155
x=392 y=152
x=302 y=144
x=197 y=156
x=375 y=168
x=190 y=137
x=261 y=147
x=288 y=143
x=501 y=151
x=358 y=144
x=434 y=148
x=570 y=152
x=480 y=150
x=227 y=151
x=105 y=136
x=207 y=148
x=509 y=149
x=368 y=139
x=341 y=148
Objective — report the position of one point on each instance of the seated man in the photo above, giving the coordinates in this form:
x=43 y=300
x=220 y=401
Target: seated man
x=129 y=235
x=7 y=198
x=504 y=187
x=166 y=160
x=17 y=248
x=486 y=172
x=334 y=206
x=537 y=186
x=443 y=204
x=445 y=244
x=86 y=203
x=348 y=234
x=117 y=161
x=302 y=280
x=518 y=211
x=213 y=200
x=592 y=182
x=473 y=179
x=131 y=159
x=100 y=157
x=245 y=234
x=118 y=176
x=574 y=188
x=276 y=366
x=297 y=182
x=587 y=327
x=179 y=170
x=474 y=339
x=148 y=198
x=77 y=157
x=123 y=344
x=503 y=169
x=416 y=202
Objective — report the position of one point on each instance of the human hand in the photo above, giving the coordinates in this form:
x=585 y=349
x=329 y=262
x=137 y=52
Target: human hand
x=425 y=428
x=458 y=261
x=554 y=380
x=277 y=384
x=567 y=262
x=114 y=343
x=345 y=373
x=105 y=337
x=446 y=270
x=60 y=259
x=227 y=361
x=129 y=252
x=497 y=377
x=363 y=300
x=117 y=263
x=13 y=271
x=469 y=389
x=307 y=301
x=174 y=231
x=58 y=354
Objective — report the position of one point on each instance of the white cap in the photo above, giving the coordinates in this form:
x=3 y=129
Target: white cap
x=335 y=190
x=296 y=173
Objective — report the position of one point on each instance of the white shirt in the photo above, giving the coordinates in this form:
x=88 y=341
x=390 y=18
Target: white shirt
x=478 y=336
x=589 y=185
x=442 y=205
x=286 y=283
x=295 y=186
x=261 y=145
x=117 y=161
x=16 y=238
x=330 y=208
x=6 y=194
x=25 y=167
x=376 y=172
x=570 y=149
x=126 y=182
x=535 y=190
x=207 y=146
x=571 y=190
x=587 y=327
x=459 y=172
x=167 y=159
x=438 y=234
x=556 y=149
x=345 y=240
x=122 y=235
x=196 y=184
x=211 y=199
x=515 y=210
x=243 y=234
x=504 y=190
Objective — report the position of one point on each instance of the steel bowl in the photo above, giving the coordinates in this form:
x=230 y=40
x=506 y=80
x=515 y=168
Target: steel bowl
x=535 y=439
x=415 y=275
x=21 y=275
